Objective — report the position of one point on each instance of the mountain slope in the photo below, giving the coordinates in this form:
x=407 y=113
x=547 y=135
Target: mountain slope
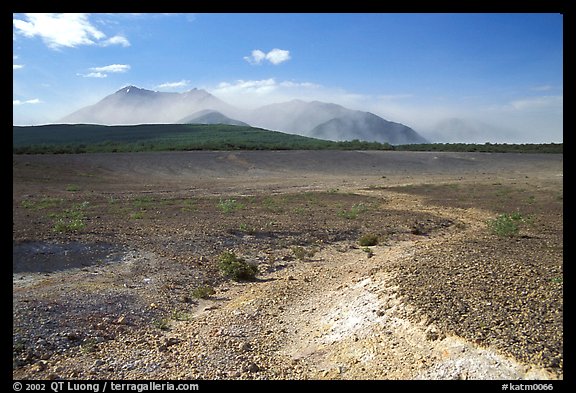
x=367 y=127
x=208 y=116
x=295 y=116
x=132 y=105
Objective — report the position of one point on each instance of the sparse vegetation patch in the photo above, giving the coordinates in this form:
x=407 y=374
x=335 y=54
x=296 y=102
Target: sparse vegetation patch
x=236 y=268
x=506 y=224
x=229 y=205
x=354 y=211
x=368 y=239
x=71 y=220
x=203 y=292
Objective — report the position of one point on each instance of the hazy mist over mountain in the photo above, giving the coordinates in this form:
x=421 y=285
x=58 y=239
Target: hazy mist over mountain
x=456 y=130
x=133 y=105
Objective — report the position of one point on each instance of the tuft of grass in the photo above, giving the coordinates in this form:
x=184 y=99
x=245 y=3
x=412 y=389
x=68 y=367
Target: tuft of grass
x=506 y=224
x=71 y=220
x=143 y=202
x=301 y=253
x=203 y=292
x=161 y=323
x=368 y=239
x=189 y=205
x=354 y=211
x=236 y=268
x=245 y=228
x=137 y=215
x=43 y=203
x=229 y=205
x=72 y=187
x=179 y=315
x=368 y=251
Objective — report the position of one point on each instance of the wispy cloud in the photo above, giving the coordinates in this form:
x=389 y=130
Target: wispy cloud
x=112 y=68
x=64 y=30
x=173 y=85
x=17 y=66
x=94 y=75
x=275 y=56
x=269 y=88
x=254 y=93
x=542 y=88
x=102 y=72
x=535 y=103
x=32 y=101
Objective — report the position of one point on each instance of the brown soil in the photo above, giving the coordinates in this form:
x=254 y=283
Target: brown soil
x=109 y=248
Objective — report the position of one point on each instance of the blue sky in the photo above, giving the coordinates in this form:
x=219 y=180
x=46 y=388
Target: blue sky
x=501 y=72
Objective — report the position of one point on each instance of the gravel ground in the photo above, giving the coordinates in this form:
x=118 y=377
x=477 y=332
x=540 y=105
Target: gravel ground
x=439 y=297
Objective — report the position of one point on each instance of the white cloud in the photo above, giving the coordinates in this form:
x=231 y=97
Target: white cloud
x=275 y=56
x=111 y=68
x=250 y=94
x=173 y=85
x=102 y=72
x=17 y=66
x=255 y=57
x=64 y=30
x=32 y=101
x=251 y=86
x=116 y=40
x=94 y=75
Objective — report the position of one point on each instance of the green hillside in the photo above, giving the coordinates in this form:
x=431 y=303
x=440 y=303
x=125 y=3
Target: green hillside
x=89 y=138
x=85 y=138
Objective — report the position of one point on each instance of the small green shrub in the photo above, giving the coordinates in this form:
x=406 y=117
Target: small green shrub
x=236 y=268
x=143 y=202
x=161 y=323
x=203 y=292
x=137 y=215
x=70 y=220
x=506 y=224
x=245 y=228
x=353 y=212
x=178 y=315
x=189 y=205
x=229 y=205
x=72 y=188
x=302 y=253
x=369 y=239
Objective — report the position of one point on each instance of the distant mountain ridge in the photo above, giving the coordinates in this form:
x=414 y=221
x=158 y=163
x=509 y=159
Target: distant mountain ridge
x=208 y=116
x=133 y=105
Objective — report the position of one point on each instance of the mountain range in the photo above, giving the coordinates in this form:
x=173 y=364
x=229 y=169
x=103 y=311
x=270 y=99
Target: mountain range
x=133 y=105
